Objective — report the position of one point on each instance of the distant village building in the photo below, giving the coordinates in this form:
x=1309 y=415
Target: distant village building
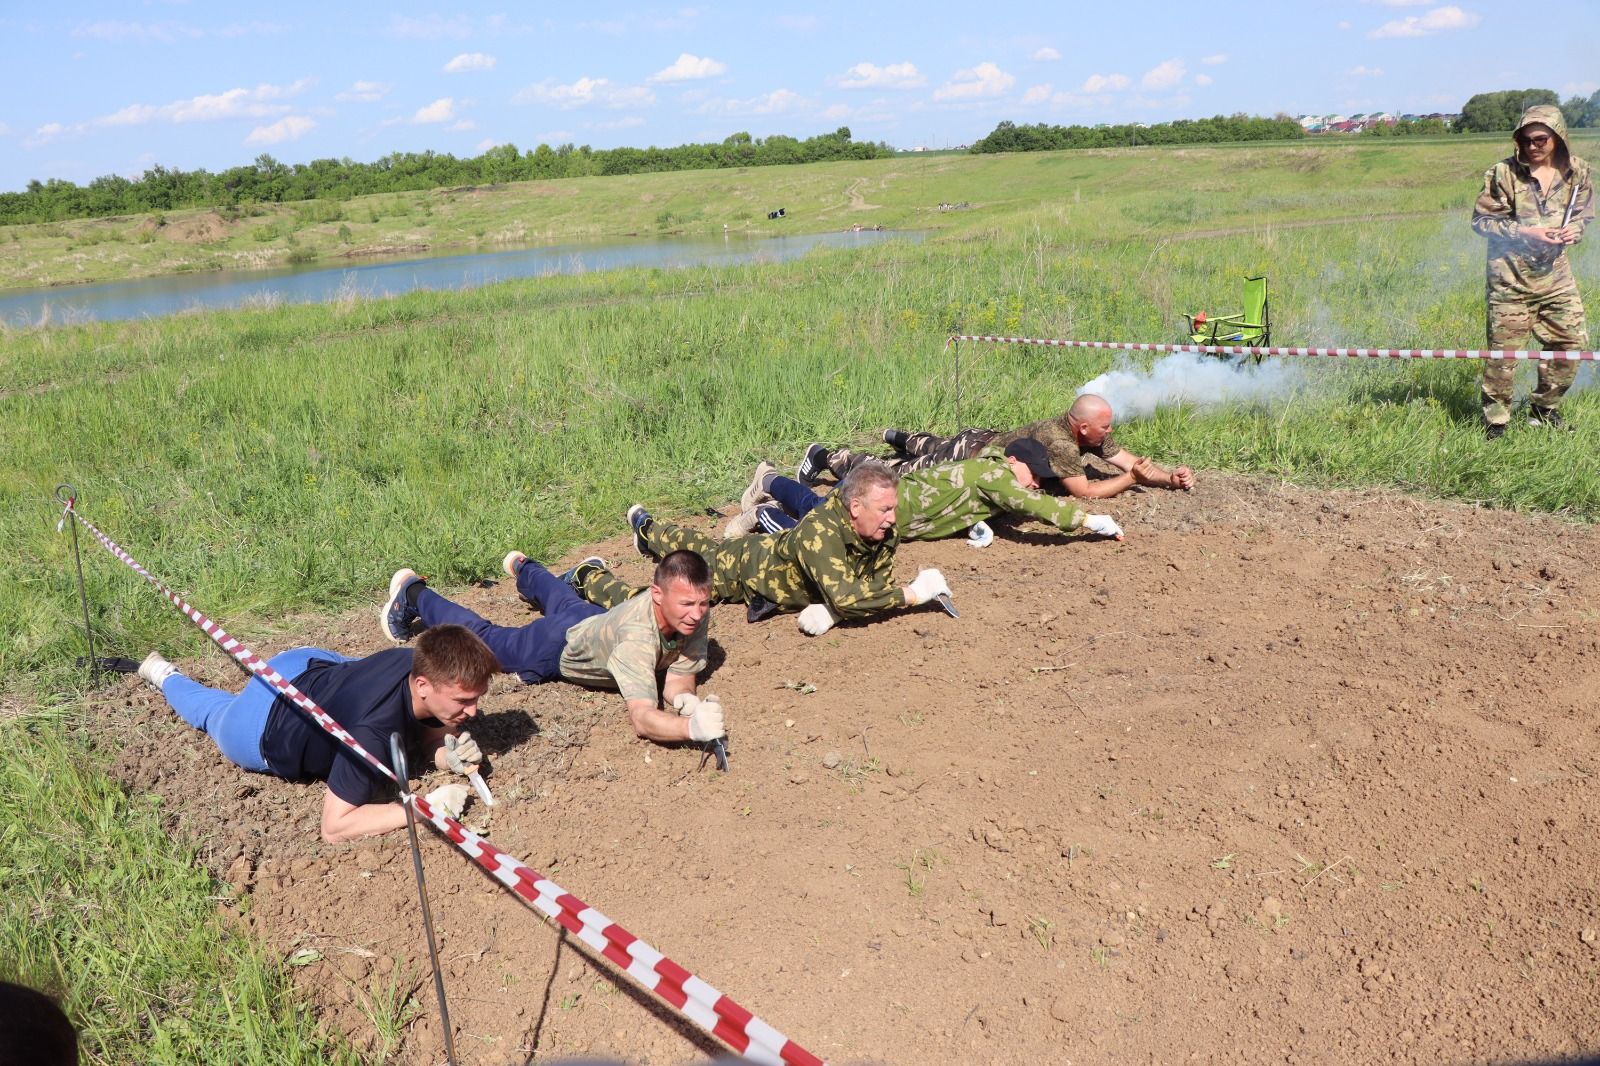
x=1358 y=122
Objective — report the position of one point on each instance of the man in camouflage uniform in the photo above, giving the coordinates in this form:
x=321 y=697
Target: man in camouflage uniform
x=955 y=497
x=837 y=563
x=662 y=628
x=1084 y=428
x=1533 y=205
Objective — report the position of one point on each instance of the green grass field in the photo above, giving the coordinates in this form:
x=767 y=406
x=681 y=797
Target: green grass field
x=273 y=461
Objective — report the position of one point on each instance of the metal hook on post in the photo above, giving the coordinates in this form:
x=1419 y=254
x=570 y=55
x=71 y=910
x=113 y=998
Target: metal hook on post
x=397 y=756
x=67 y=496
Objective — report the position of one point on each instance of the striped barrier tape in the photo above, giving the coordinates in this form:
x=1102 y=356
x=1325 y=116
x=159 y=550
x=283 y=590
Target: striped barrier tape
x=714 y=1012
x=1571 y=356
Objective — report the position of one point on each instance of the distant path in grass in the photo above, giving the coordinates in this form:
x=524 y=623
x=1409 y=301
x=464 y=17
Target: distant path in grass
x=1342 y=220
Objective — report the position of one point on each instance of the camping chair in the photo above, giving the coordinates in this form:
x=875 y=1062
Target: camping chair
x=1250 y=328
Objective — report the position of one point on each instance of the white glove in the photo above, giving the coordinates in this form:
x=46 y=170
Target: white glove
x=1102 y=524
x=448 y=799
x=706 y=721
x=929 y=584
x=685 y=703
x=461 y=752
x=980 y=535
x=817 y=619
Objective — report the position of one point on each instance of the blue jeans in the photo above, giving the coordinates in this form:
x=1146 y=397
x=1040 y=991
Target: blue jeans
x=794 y=498
x=235 y=721
x=532 y=651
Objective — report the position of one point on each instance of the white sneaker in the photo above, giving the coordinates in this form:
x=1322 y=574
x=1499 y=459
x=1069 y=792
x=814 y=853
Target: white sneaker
x=741 y=525
x=155 y=670
x=512 y=563
x=754 y=495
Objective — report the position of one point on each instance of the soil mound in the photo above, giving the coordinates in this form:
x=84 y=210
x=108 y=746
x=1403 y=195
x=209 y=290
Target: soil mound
x=1289 y=776
x=201 y=229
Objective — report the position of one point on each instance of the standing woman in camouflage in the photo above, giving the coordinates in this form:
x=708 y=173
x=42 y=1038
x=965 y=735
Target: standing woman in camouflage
x=1533 y=205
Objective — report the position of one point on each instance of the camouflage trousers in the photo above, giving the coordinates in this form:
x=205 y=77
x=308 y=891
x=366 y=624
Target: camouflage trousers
x=1553 y=322
x=600 y=586
x=919 y=452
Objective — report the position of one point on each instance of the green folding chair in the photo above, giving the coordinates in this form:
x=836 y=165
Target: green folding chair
x=1250 y=328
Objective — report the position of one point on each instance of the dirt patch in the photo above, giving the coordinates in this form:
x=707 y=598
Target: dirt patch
x=1287 y=777
x=200 y=229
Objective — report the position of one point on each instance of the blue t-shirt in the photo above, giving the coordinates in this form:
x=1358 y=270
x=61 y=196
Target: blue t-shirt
x=371 y=699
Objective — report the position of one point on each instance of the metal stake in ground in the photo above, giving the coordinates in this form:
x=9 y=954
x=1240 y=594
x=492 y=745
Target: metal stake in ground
x=67 y=496
x=397 y=754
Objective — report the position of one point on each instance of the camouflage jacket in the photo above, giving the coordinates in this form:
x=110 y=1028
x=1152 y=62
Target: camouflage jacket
x=1512 y=200
x=821 y=560
x=948 y=499
x=1066 y=454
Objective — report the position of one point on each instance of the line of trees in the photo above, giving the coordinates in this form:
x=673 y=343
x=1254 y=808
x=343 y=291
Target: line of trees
x=1222 y=129
x=1409 y=127
x=269 y=181
x=1499 y=111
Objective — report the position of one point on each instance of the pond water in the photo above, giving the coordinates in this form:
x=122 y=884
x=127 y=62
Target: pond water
x=389 y=277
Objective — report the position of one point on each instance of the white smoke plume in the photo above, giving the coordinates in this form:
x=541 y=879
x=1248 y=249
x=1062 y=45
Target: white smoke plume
x=1195 y=380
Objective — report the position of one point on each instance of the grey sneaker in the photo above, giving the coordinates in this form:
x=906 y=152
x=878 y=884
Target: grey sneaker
x=155 y=670
x=896 y=438
x=1494 y=430
x=755 y=493
x=398 y=616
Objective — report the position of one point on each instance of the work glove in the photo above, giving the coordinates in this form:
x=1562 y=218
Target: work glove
x=448 y=799
x=1102 y=524
x=461 y=753
x=817 y=619
x=685 y=703
x=980 y=535
x=928 y=585
x=706 y=721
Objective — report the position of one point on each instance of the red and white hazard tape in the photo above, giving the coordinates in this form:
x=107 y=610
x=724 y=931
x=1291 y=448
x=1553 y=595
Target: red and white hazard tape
x=1362 y=353
x=700 y=1002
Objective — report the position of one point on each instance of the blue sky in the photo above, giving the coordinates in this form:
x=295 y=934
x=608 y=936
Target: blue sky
x=114 y=88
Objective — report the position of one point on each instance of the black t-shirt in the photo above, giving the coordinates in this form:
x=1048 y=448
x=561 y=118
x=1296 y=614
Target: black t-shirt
x=371 y=699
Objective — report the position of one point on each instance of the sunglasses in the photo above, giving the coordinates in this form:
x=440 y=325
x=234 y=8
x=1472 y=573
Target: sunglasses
x=1537 y=140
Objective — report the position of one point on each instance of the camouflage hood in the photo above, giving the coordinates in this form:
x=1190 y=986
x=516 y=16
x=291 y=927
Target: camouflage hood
x=1546 y=115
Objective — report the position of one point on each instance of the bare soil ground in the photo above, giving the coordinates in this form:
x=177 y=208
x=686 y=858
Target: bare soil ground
x=1288 y=776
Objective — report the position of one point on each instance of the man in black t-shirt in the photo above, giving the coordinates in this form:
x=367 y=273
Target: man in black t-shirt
x=426 y=693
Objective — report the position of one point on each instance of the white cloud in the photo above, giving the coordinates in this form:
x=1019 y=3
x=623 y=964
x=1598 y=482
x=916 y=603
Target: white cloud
x=775 y=102
x=467 y=62
x=585 y=92
x=1203 y=79
x=139 y=32
x=1164 y=75
x=5 y=131
x=835 y=112
x=429 y=29
x=1036 y=95
x=466 y=125
x=1216 y=60
x=1105 y=83
x=689 y=68
x=1045 y=55
x=1580 y=88
x=627 y=122
x=1401 y=3
x=210 y=107
x=363 y=92
x=985 y=79
x=441 y=110
x=44 y=134
x=1344 y=24
x=486 y=144
x=871 y=76
x=1365 y=72
x=290 y=128
x=1439 y=20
